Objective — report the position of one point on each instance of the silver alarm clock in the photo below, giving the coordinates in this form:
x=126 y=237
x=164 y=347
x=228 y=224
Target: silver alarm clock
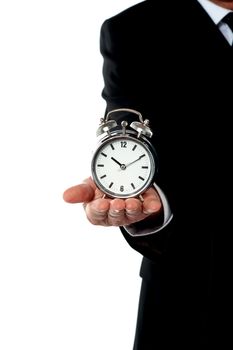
x=124 y=163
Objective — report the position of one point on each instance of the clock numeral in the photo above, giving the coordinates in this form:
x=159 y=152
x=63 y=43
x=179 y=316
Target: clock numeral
x=122 y=189
x=145 y=167
x=103 y=154
x=110 y=185
x=100 y=165
x=134 y=147
x=103 y=176
x=141 y=178
x=123 y=144
x=112 y=147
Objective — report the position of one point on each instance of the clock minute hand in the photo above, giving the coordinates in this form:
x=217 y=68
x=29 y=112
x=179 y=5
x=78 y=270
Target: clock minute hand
x=143 y=155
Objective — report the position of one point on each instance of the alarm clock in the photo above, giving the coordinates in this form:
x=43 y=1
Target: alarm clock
x=124 y=163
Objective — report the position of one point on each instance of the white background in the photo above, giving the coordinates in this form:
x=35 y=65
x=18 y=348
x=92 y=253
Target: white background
x=64 y=284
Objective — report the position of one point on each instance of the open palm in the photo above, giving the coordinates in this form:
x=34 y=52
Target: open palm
x=112 y=212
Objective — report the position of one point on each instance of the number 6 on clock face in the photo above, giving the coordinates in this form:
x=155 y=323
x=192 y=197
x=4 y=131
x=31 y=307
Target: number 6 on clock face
x=123 y=166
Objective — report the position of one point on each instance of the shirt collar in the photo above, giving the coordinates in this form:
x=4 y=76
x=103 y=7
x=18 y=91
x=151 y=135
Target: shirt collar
x=216 y=12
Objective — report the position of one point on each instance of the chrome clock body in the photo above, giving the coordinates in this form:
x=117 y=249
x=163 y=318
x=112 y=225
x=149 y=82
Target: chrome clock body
x=125 y=162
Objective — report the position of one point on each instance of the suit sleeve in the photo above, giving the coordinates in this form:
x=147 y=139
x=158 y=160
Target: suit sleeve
x=118 y=75
x=149 y=237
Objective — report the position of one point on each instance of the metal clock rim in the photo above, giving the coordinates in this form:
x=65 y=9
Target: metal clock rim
x=154 y=165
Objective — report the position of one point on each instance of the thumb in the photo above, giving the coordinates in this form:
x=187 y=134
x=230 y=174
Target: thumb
x=79 y=194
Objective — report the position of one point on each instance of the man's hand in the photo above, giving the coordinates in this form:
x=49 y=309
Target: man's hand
x=112 y=212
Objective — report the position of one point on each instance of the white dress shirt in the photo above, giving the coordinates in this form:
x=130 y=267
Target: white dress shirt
x=217 y=13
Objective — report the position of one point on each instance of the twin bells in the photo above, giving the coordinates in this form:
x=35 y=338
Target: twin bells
x=141 y=127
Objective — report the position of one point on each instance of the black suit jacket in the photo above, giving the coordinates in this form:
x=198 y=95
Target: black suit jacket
x=169 y=61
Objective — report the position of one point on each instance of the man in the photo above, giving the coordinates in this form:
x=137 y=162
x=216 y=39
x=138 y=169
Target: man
x=172 y=61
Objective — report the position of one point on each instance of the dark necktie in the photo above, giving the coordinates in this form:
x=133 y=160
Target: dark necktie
x=228 y=19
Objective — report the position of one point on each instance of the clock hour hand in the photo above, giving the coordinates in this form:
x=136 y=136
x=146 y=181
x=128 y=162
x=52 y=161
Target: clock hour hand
x=116 y=161
x=122 y=166
x=143 y=155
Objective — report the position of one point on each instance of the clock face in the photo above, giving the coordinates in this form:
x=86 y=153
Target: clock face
x=123 y=167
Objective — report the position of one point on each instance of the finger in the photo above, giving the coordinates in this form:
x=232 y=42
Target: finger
x=97 y=211
x=133 y=209
x=152 y=203
x=98 y=192
x=79 y=194
x=116 y=214
x=89 y=181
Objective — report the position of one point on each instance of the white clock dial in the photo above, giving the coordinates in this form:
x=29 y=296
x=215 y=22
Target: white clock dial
x=123 y=167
